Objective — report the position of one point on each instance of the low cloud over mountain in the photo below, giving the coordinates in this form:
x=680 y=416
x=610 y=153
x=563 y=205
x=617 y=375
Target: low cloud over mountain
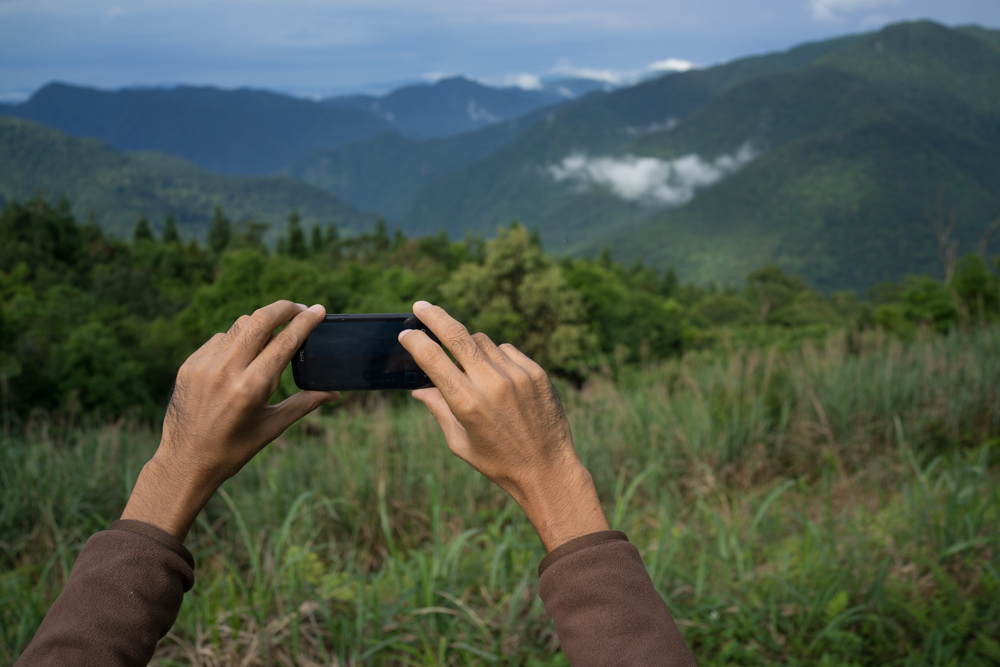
x=650 y=180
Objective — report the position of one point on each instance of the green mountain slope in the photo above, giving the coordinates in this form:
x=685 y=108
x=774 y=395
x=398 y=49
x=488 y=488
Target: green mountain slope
x=854 y=142
x=385 y=173
x=511 y=183
x=118 y=187
x=845 y=209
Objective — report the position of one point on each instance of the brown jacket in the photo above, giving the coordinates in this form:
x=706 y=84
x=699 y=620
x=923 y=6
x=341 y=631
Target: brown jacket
x=127 y=585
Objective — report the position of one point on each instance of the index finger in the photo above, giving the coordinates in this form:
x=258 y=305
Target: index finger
x=432 y=360
x=273 y=358
x=248 y=339
x=452 y=334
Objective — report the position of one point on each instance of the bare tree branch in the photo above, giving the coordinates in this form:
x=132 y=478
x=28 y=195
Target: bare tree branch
x=947 y=247
x=990 y=231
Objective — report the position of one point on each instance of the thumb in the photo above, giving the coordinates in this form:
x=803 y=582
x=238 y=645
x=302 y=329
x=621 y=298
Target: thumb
x=298 y=405
x=453 y=430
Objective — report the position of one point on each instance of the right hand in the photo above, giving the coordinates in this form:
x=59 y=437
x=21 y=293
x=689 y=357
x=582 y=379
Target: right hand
x=500 y=413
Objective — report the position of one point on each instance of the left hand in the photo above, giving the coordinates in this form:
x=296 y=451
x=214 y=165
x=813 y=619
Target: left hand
x=219 y=415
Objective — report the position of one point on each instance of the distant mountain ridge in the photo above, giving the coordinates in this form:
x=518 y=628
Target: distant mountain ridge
x=454 y=105
x=246 y=132
x=257 y=132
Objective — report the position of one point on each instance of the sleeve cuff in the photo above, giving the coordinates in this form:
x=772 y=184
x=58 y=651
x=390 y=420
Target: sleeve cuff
x=152 y=532
x=578 y=544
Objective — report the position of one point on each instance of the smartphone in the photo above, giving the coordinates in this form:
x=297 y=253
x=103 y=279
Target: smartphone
x=358 y=353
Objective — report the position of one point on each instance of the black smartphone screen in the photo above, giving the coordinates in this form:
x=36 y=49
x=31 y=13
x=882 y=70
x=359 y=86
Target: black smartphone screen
x=359 y=352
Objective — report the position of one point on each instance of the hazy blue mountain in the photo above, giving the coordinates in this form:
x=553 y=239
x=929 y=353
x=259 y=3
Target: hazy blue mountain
x=248 y=132
x=117 y=188
x=452 y=106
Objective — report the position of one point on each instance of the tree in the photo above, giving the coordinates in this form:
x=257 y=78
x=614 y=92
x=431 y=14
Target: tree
x=331 y=237
x=219 y=233
x=519 y=295
x=170 y=234
x=142 y=232
x=296 y=237
x=380 y=240
x=316 y=245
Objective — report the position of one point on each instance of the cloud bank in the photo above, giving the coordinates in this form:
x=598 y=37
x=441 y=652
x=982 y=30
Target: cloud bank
x=835 y=10
x=650 y=180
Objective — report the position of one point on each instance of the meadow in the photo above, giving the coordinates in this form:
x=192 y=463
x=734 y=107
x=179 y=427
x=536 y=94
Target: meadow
x=835 y=503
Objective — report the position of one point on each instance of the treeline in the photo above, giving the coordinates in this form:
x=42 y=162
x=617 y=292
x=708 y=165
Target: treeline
x=91 y=325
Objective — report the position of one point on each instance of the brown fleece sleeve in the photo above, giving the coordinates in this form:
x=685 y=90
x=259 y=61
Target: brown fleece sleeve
x=121 y=598
x=605 y=608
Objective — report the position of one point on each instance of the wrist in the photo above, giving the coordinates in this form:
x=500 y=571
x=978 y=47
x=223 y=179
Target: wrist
x=167 y=496
x=563 y=505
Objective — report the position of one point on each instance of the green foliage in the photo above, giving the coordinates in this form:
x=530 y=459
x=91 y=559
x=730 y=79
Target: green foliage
x=142 y=232
x=519 y=295
x=170 y=233
x=219 y=233
x=72 y=299
x=296 y=237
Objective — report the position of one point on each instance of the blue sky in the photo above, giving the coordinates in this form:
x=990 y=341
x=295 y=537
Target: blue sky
x=316 y=47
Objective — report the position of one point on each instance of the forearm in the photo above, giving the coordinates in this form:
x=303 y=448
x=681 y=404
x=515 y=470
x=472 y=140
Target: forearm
x=562 y=505
x=121 y=598
x=168 y=495
x=605 y=608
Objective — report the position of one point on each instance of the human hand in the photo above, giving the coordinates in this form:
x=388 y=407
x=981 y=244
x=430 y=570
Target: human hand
x=500 y=413
x=219 y=416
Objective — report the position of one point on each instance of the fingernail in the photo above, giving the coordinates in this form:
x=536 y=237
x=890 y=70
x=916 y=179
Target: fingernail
x=301 y=305
x=420 y=305
x=317 y=308
x=403 y=333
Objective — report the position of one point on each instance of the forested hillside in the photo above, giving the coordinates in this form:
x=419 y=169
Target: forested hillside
x=116 y=189
x=824 y=163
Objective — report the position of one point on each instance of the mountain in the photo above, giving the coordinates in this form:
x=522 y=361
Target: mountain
x=857 y=149
x=823 y=159
x=385 y=174
x=452 y=106
x=117 y=188
x=245 y=132
x=512 y=182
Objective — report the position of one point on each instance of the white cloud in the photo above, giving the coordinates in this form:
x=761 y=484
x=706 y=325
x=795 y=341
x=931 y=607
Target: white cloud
x=609 y=76
x=650 y=180
x=524 y=81
x=834 y=10
x=671 y=65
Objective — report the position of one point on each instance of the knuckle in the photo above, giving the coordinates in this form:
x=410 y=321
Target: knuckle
x=523 y=381
x=538 y=374
x=286 y=345
x=240 y=322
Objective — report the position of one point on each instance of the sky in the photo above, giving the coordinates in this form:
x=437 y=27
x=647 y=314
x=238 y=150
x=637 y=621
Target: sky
x=314 y=48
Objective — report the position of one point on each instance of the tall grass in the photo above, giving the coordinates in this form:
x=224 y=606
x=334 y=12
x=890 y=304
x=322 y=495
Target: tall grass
x=836 y=504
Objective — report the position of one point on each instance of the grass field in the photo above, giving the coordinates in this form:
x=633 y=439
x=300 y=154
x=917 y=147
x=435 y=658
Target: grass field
x=832 y=505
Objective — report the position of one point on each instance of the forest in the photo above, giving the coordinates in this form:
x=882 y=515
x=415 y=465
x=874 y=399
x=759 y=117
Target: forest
x=811 y=478
x=93 y=326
